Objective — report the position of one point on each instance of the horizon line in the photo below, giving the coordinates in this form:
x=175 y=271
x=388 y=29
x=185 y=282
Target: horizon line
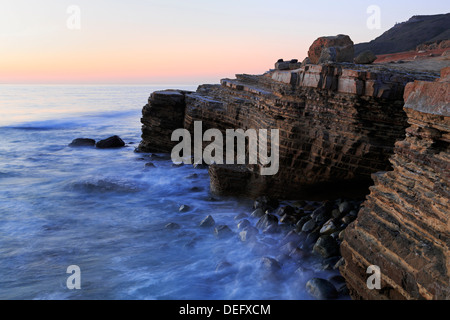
x=101 y=84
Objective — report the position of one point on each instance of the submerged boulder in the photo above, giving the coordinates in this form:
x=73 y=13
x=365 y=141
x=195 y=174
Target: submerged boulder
x=222 y=231
x=207 y=222
x=82 y=142
x=321 y=289
x=270 y=264
x=111 y=142
x=266 y=221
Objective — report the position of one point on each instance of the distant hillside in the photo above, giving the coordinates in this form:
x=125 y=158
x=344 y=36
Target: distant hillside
x=408 y=35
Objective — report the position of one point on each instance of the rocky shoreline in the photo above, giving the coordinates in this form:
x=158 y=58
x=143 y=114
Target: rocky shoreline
x=403 y=226
x=342 y=127
x=308 y=230
x=302 y=236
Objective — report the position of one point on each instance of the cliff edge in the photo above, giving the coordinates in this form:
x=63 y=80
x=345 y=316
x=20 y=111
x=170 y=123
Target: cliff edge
x=338 y=123
x=342 y=128
x=403 y=227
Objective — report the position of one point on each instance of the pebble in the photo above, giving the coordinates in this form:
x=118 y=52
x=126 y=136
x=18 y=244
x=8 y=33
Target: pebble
x=302 y=222
x=184 y=208
x=309 y=226
x=258 y=213
x=345 y=207
x=326 y=246
x=172 y=226
x=321 y=289
x=266 y=221
x=222 y=231
x=348 y=219
x=328 y=228
x=243 y=224
x=207 y=222
x=311 y=240
x=248 y=234
x=241 y=216
x=270 y=264
x=288 y=219
x=286 y=210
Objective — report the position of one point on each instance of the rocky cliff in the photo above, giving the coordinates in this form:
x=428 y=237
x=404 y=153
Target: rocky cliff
x=342 y=128
x=403 y=226
x=338 y=124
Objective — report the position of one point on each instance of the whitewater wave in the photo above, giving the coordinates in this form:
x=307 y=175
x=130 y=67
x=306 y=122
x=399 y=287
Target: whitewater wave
x=78 y=121
x=105 y=185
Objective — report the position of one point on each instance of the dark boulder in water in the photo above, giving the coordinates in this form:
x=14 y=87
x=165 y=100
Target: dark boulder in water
x=82 y=142
x=266 y=203
x=266 y=220
x=184 y=208
x=207 y=222
x=172 y=226
x=111 y=142
x=222 y=231
x=270 y=264
x=321 y=289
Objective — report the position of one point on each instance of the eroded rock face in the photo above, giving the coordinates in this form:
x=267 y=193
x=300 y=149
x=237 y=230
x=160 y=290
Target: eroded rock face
x=163 y=114
x=342 y=51
x=403 y=226
x=337 y=126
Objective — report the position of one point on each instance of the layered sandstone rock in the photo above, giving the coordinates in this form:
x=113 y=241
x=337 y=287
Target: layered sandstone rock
x=338 y=125
x=163 y=114
x=403 y=226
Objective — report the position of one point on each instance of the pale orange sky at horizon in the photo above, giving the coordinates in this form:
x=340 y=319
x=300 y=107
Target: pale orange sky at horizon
x=170 y=41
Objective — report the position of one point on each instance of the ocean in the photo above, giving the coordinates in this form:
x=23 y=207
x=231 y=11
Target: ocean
x=106 y=211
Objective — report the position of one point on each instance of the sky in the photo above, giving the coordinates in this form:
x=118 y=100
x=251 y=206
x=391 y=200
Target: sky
x=177 y=41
